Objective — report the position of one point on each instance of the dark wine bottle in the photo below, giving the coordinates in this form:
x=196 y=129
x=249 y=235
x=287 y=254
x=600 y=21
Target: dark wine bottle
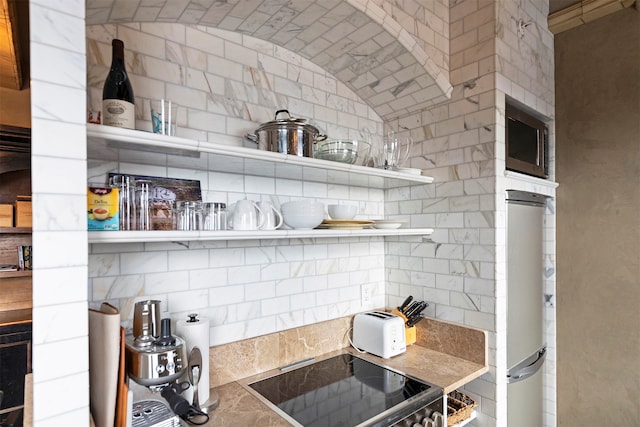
x=117 y=96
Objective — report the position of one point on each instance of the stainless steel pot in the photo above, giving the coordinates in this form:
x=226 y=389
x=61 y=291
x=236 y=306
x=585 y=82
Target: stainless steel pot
x=289 y=136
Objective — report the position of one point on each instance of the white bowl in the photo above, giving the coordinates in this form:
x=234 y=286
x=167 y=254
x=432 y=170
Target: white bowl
x=389 y=224
x=302 y=214
x=342 y=211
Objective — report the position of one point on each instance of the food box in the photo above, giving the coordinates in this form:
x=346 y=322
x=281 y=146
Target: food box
x=6 y=215
x=23 y=213
x=102 y=209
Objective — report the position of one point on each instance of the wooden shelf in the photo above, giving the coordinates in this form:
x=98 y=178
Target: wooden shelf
x=19 y=273
x=112 y=143
x=15 y=230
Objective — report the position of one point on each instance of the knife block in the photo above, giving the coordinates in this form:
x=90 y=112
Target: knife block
x=409 y=333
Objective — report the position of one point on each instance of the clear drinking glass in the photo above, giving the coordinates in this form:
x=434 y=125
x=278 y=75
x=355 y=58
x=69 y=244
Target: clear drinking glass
x=214 y=216
x=125 y=200
x=143 y=191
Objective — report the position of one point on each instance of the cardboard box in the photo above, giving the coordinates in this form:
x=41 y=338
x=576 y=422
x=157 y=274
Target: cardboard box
x=23 y=213
x=6 y=215
x=102 y=209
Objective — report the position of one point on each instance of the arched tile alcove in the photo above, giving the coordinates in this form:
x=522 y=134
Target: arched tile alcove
x=356 y=40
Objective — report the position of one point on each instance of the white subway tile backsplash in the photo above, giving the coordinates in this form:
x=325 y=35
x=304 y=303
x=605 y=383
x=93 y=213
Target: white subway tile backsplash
x=190 y=301
x=143 y=262
x=188 y=260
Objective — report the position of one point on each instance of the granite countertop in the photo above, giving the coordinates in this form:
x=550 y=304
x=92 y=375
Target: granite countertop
x=239 y=407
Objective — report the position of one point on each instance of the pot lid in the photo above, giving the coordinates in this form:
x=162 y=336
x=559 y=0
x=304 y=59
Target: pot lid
x=278 y=122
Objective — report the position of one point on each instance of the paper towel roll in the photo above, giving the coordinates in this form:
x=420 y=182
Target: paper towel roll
x=196 y=334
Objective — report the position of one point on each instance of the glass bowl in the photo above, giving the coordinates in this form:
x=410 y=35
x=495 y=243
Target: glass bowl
x=343 y=151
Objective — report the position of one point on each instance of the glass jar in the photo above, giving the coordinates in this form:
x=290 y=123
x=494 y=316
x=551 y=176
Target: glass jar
x=214 y=216
x=189 y=215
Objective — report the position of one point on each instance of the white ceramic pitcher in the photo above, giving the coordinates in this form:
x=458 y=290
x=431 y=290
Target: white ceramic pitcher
x=272 y=218
x=246 y=216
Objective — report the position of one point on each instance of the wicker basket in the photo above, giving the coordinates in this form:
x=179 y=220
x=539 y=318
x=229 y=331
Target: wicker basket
x=459 y=407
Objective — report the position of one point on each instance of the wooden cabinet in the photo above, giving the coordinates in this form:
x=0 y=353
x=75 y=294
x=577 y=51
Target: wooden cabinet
x=15 y=286
x=15 y=180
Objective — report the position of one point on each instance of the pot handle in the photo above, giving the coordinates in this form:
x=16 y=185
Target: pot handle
x=320 y=138
x=281 y=111
x=253 y=137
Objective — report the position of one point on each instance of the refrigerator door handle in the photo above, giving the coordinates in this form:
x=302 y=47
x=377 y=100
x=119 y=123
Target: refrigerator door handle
x=527 y=367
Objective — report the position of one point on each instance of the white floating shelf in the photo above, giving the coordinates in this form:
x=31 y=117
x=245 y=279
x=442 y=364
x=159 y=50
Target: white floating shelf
x=182 y=236
x=105 y=142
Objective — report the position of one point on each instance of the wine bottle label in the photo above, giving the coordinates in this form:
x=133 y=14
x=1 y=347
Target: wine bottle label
x=119 y=113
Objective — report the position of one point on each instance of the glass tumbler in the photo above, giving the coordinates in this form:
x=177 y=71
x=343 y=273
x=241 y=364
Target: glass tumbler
x=143 y=191
x=125 y=200
x=214 y=216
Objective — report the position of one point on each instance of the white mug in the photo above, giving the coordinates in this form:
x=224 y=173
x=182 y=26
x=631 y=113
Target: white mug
x=271 y=217
x=246 y=216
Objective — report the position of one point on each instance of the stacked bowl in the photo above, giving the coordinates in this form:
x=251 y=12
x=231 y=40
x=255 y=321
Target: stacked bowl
x=344 y=151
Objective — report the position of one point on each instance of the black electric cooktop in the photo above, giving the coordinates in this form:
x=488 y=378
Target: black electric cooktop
x=345 y=390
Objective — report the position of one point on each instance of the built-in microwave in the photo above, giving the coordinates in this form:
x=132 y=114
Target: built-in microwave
x=527 y=143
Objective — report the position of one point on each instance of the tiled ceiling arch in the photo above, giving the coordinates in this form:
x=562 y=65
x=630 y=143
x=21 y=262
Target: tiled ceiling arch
x=355 y=40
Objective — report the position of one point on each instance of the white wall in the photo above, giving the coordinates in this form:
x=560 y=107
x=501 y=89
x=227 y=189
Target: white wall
x=58 y=94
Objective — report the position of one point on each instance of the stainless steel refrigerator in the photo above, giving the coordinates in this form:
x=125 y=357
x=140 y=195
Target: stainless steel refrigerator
x=526 y=347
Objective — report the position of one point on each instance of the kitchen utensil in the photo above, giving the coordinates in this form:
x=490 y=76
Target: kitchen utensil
x=164 y=114
x=189 y=215
x=416 y=310
x=405 y=303
x=341 y=211
x=343 y=151
x=125 y=200
x=195 y=371
x=392 y=152
x=414 y=320
x=410 y=307
x=288 y=136
x=345 y=224
x=388 y=224
x=303 y=214
x=246 y=216
x=214 y=216
x=270 y=216
x=143 y=191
